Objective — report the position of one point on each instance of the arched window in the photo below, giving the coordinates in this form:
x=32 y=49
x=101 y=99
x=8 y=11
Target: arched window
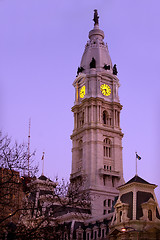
x=93 y=63
x=103 y=233
x=104 y=180
x=107 y=119
x=107 y=150
x=95 y=234
x=88 y=236
x=80 y=150
x=120 y=216
x=150 y=215
x=117 y=118
x=79 y=236
x=79 y=233
x=104 y=117
x=80 y=155
x=81 y=119
x=65 y=236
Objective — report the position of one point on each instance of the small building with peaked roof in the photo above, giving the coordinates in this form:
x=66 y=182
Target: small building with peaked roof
x=136 y=211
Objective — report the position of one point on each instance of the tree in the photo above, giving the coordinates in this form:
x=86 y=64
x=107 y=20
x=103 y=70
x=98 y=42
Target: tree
x=53 y=207
x=13 y=164
x=36 y=208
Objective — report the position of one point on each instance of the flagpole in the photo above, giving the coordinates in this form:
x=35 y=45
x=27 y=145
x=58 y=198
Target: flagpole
x=136 y=163
x=43 y=164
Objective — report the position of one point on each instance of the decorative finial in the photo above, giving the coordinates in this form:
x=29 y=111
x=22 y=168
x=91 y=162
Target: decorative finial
x=95 y=19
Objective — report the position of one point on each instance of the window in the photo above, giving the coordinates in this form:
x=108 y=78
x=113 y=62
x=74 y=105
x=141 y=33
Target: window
x=117 y=118
x=81 y=119
x=107 y=148
x=79 y=236
x=104 y=203
x=150 y=215
x=107 y=119
x=113 y=182
x=104 y=117
x=109 y=202
x=102 y=233
x=120 y=214
x=87 y=236
x=65 y=236
x=80 y=150
x=95 y=235
x=104 y=180
x=80 y=155
x=104 y=212
x=79 y=233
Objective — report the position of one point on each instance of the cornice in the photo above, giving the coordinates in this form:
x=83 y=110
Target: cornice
x=96 y=127
x=91 y=100
x=70 y=216
x=137 y=185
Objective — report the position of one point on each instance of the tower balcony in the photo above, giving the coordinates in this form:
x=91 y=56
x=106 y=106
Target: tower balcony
x=106 y=172
x=77 y=174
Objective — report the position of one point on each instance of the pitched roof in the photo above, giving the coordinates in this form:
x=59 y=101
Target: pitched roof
x=137 y=179
x=44 y=178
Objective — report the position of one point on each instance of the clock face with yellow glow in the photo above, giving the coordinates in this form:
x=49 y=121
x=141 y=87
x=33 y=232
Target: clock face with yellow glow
x=82 y=92
x=105 y=89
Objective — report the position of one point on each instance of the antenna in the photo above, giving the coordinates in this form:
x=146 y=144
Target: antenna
x=29 y=144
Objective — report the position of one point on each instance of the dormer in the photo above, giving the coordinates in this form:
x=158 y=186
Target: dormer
x=149 y=210
x=121 y=211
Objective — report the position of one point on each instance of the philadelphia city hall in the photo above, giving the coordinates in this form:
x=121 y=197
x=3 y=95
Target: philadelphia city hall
x=112 y=209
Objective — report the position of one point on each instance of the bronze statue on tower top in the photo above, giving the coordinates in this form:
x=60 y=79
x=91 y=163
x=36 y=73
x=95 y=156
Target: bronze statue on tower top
x=95 y=19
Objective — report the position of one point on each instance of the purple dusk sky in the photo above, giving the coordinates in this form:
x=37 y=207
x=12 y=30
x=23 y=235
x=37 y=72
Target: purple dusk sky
x=41 y=45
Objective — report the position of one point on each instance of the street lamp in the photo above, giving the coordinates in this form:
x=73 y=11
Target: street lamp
x=123 y=230
x=130 y=229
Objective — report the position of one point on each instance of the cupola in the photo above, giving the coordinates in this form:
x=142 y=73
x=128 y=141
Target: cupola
x=136 y=210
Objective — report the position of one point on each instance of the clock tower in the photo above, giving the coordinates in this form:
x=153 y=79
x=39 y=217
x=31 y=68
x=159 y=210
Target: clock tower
x=97 y=136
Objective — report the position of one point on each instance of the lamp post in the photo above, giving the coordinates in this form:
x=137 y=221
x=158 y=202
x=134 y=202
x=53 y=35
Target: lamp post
x=130 y=229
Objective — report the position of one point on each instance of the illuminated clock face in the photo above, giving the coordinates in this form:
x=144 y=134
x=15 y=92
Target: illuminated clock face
x=105 y=89
x=82 y=92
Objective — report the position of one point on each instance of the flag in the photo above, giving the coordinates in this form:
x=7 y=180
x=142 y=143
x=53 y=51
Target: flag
x=138 y=157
